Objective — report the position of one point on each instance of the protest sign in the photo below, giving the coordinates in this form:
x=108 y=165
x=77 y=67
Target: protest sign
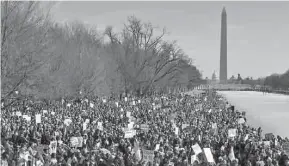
x=18 y=113
x=52 y=113
x=246 y=137
x=269 y=136
x=38 y=118
x=53 y=147
x=128 y=114
x=26 y=117
x=91 y=105
x=144 y=127
x=241 y=120
x=99 y=126
x=209 y=155
x=197 y=149
x=177 y=131
x=129 y=133
x=286 y=147
x=84 y=126
x=232 y=133
x=157 y=147
x=104 y=100
x=76 y=141
x=125 y=99
x=67 y=122
x=266 y=144
x=44 y=111
x=148 y=155
x=214 y=126
x=185 y=126
x=130 y=125
x=87 y=120
x=193 y=159
x=116 y=103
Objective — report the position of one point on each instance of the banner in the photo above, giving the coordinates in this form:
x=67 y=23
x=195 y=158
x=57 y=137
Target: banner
x=148 y=155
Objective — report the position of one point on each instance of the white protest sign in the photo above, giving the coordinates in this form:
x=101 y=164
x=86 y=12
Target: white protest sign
x=246 y=137
x=157 y=147
x=128 y=114
x=241 y=120
x=133 y=102
x=125 y=99
x=73 y=141
x=18 y=113
x=177 y=131
x=68 y=105
x=67 y=122
x=76 y=141
x=91 y=105
x=38 y=118
x=185 y=126
x=87 y=120
x=84 y=126
x=44 y=111
x=214 y=125
x=129 y=133
x=209 y=155
x=148 y=155
x=193 y=159
x=130 y=125
x=26 y=117
x=267 y=144
x=99 y=126
x=144 y=127
x=86 y=100
x=52 y=113
x=232 y=133
x=104 y=100
x=197 y=149
x=138 y=101
x=116 y=103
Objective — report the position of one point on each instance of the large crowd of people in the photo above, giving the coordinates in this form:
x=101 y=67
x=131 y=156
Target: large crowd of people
x=156 y=130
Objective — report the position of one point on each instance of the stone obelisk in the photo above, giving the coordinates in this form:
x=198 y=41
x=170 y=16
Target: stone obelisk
x=223 y=56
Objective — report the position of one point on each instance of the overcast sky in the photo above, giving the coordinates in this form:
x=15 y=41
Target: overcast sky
x=258 y=32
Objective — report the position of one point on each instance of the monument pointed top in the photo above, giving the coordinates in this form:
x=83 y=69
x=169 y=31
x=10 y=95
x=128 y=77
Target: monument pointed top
x=224 y=10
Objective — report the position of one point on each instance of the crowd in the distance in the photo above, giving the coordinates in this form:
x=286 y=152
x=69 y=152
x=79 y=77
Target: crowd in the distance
x=158 y=130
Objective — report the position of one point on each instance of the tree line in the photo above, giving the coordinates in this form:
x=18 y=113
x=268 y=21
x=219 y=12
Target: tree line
x=45 y=59
x=275 y=81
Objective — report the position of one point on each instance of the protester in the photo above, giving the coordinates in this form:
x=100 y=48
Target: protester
x=158 y=130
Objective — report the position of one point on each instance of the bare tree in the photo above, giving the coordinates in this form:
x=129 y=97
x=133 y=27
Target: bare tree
x=24 y=28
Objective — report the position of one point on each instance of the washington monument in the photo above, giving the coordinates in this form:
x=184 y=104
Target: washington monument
x=223 y=56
